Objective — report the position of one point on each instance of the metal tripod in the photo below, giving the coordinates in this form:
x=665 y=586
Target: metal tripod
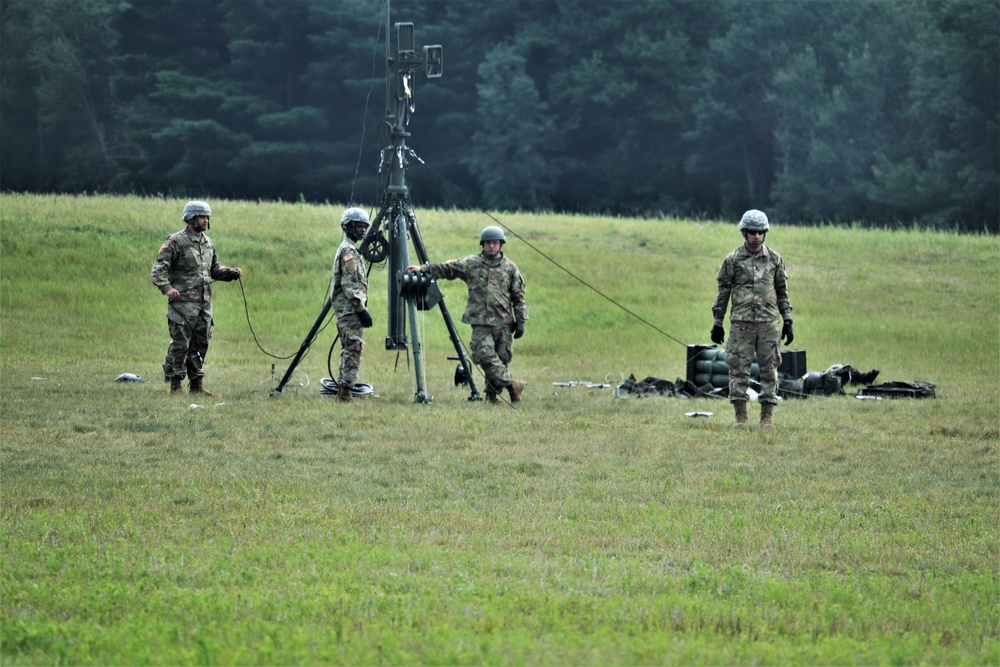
x=388 y=237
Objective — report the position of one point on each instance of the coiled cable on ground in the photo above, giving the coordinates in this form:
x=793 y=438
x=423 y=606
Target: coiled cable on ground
x=331 y=387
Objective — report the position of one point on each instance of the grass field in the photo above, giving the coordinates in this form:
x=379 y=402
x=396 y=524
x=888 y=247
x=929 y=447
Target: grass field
x=578 y=529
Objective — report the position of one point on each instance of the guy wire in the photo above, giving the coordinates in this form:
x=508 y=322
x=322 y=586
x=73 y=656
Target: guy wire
x=364 y=116
x=552 y=261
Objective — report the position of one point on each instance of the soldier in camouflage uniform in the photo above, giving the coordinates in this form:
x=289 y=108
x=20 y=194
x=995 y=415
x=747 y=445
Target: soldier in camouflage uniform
x=184 y=270
x=496 y=309
x=349 y=292
x=754 y=277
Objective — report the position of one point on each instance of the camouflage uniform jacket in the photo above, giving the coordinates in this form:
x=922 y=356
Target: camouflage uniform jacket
x=757 y=284
x=349 y=284
x=496 y=289
x=187 y=262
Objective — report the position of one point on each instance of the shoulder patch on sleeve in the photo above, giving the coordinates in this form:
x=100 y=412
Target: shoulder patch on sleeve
x=349 y=255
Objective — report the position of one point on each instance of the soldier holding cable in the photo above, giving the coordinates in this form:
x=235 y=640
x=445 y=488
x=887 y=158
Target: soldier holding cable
x=184 y=270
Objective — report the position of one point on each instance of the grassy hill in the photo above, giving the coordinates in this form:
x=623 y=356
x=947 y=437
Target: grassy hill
x=577 y=529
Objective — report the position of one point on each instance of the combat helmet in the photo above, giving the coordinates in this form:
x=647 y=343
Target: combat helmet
x=195 y=208
x=353 y=214
x=754 y=221
x=492 y=233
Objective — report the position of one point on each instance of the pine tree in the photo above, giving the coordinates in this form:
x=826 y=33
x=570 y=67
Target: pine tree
x=508 y=153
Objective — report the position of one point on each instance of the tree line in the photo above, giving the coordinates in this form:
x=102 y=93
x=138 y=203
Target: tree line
x=844 y=111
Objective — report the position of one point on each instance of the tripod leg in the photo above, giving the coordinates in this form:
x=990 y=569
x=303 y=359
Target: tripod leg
x=418 y=355
x=305 y=346
x=456 y=340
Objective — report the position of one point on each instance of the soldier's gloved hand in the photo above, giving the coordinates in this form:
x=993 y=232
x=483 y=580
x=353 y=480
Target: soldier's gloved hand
x=366 y=318
x=786 y=332
x=518 y=328
x=718 y=335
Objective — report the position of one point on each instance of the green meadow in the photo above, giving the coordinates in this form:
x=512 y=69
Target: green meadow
x=577 y=529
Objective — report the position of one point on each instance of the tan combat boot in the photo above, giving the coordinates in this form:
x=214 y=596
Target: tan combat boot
x=741 y=412
x=196 y=387
x=491 y=397
x=514 y=389
x=176 y=385
x=344 y=393
x=766 y=410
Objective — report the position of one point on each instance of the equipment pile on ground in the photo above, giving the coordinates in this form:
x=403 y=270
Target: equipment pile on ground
x=707 y=364
x=915 y=389
x=657 y=386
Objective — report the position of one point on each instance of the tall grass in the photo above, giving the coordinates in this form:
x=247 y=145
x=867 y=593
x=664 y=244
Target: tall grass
x=577 y=529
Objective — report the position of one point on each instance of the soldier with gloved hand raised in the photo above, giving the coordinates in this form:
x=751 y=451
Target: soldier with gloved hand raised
x=753 y=276
x=349 y=292
x=496 y=309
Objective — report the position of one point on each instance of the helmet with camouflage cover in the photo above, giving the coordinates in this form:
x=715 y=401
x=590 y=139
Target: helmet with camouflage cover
x=196 y=208
x=353 y=214
x=492 y=233
x=754 y=221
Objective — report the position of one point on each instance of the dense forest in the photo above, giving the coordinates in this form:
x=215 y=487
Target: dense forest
x=875 y=112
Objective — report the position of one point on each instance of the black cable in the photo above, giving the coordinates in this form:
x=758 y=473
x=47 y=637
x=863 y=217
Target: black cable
x=246 y=309
x=329 y=355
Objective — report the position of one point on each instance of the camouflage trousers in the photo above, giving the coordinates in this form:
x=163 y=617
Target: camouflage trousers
x=492 y=350
x=352 y=341
x=745 y=339
x=190 y=325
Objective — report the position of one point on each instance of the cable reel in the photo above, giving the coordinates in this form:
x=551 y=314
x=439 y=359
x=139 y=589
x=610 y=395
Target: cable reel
x=421 y=288
x=375 y=245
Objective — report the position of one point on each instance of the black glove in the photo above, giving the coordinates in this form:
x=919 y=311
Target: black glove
x=365 y=317
x=718 y=335
x=786 y=332
x=518 y=328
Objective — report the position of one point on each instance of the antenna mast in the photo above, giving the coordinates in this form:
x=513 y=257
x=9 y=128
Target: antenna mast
x=395 y=225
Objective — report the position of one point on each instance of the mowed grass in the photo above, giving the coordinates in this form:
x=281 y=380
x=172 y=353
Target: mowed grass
x=577 y=529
